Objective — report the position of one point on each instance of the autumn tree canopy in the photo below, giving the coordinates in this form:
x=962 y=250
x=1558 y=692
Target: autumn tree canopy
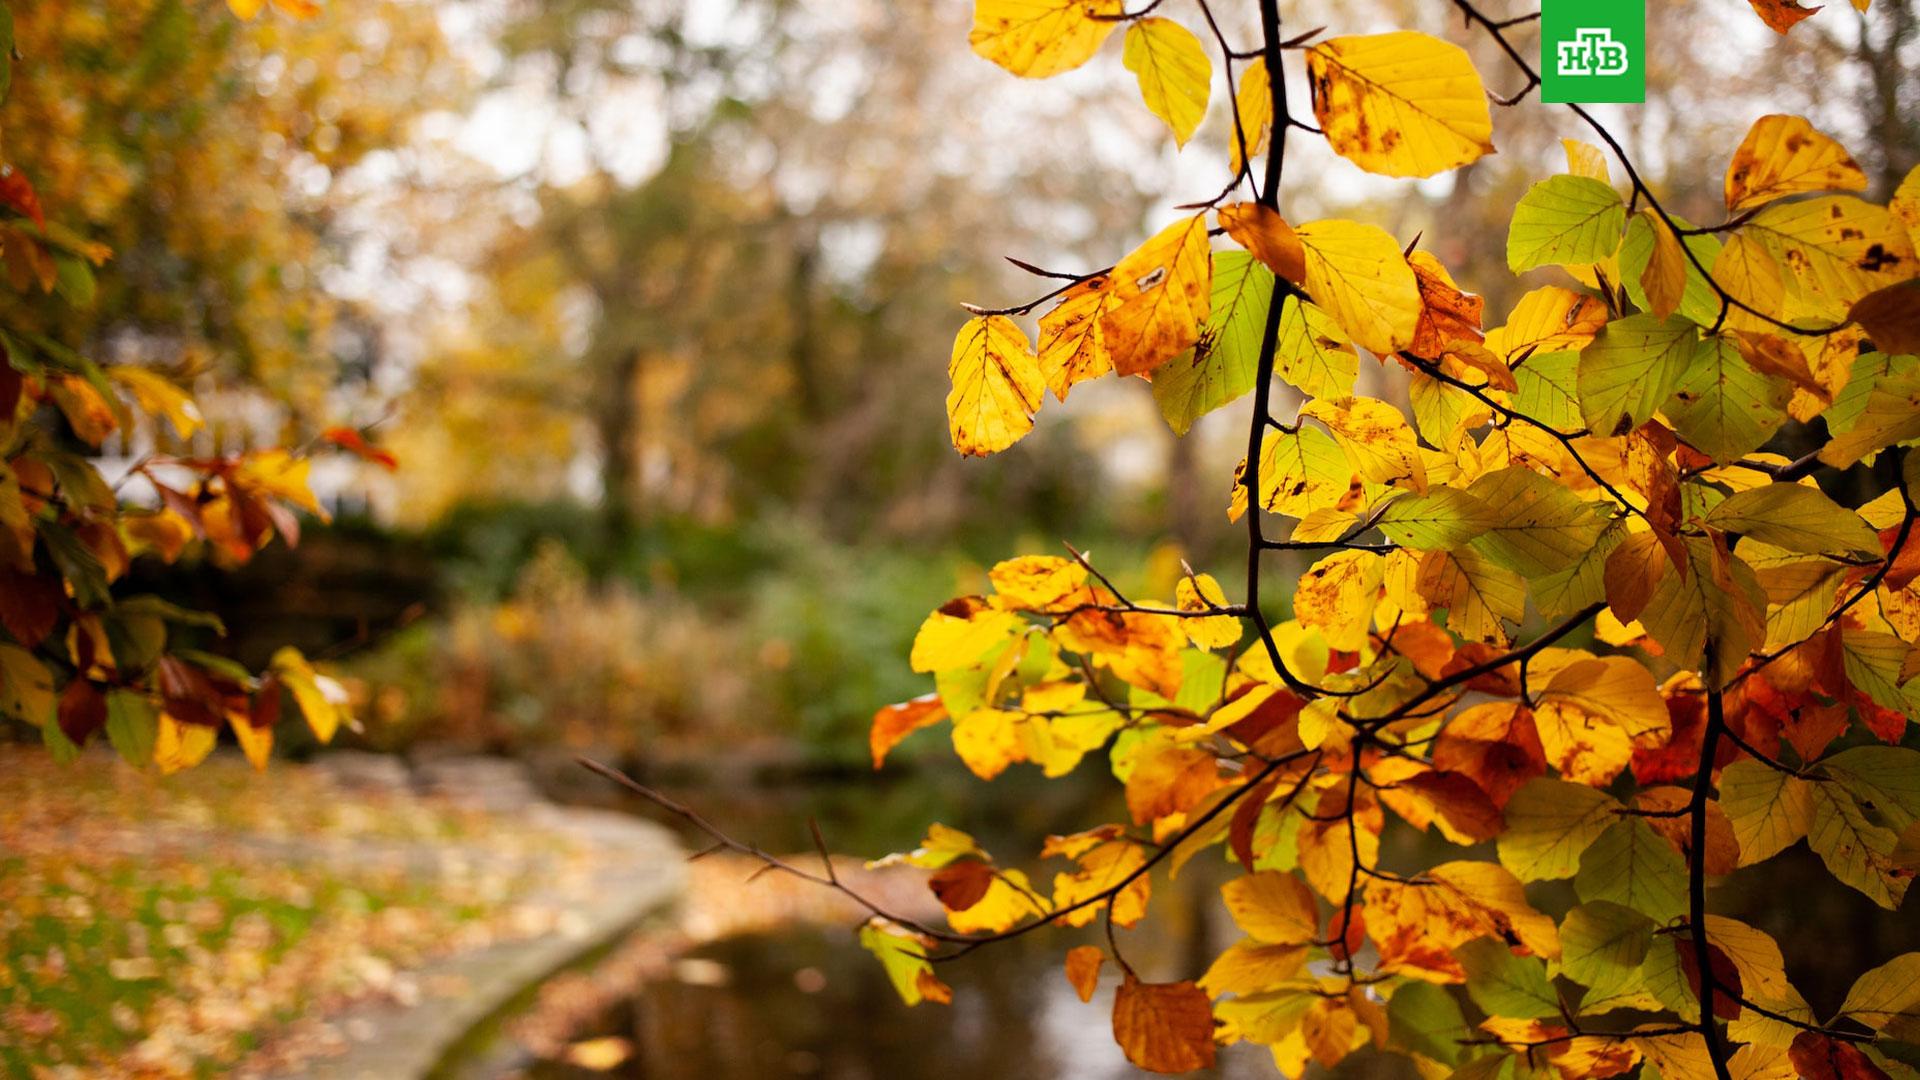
x=1567 y=611
x=98 y=363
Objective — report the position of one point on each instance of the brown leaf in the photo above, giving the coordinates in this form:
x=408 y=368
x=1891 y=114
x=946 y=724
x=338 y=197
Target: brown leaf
x=1817 y=1057
x=1496 y=744
x=1891 y=316
x=83 y=710
x=960 y=885
x=1447 y=314
x=1164 y=1027
x=32 y=608
x=1722 y=852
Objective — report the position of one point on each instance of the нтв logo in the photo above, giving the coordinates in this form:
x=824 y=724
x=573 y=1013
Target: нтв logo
x=1593 y=51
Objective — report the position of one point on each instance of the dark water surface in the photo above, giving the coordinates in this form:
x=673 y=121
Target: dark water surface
x=809 y=1002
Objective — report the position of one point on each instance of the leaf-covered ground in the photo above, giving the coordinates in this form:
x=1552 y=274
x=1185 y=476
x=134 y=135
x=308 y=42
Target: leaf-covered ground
x=201 y=924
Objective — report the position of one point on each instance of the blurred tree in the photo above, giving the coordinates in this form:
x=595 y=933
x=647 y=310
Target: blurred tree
x=215 y=158
x=741 y=317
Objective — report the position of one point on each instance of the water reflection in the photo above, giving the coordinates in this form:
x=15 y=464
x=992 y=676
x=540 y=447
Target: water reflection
x=807 y=1004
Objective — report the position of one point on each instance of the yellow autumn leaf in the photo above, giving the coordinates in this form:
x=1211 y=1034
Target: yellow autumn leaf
x=1400 y=104
x=1336 y=594
x=255 y=742
x=1375 y=436
x=158 y=397
x=1200 y=592
x=1174 y=73
x=179 y=745
x=1162 y=293
x=1071 y=348
x=1009 y=900
x=1665 y=278
x=1357 y=274
x=1547 y=320
x=1586 y=159
x=1836 y=249
x=1784 y=155
x=1253 y=114
x=283 y=476
x=1274 y=908
x=1035 y=582
x=1594 y=712
x=1905 y=204
x=1035 y=38
x=996 y=386
x=958 y=633
x=246 y=9
x=321 y=700
x=1749 y=274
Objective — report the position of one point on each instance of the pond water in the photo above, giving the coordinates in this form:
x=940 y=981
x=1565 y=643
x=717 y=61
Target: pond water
x=806 y=1002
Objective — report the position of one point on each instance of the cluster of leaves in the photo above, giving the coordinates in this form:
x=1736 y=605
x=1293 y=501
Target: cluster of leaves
x=76 y=659
x=1750 y=662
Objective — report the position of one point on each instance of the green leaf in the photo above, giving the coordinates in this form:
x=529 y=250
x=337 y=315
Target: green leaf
x=1665 y=977
x=1312 y=353
x=1503 y=984
x=1887 y=999
x=1548 y=390
x=73 y=279
x=1867 y=371
x=1857 y=844
x=1424 y=1019
x=1795 y=517
x=148 y=604
x=1699 y=302
x=26 y=687
x=77 y=564
x=1630 y=370
x=1800 y=593
x=1767 y=808
x=1601 y=947
x=1890 y=415
x=1549 y=824
x=1439 y=409
x=1302 y=471
x=1887 y=776
x=1442 y=518
x=1565 y=220
x=1221 y=367
x=1726 y=607
x=1566 y=591
x=1635 y=867
x=902 y=955
x=1725 y=408
x=1874 y=663
x=62 y=750
x=1538 y=527
x=132 y=725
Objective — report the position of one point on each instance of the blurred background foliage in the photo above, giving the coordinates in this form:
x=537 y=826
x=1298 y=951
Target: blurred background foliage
x=653 y=300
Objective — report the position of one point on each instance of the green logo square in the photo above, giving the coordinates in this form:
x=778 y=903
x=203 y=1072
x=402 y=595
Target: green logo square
x=1593 y=51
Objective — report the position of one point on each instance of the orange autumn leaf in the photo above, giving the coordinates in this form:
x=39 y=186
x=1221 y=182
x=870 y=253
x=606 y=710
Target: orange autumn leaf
x=1164 y=1027
x=1083 y=969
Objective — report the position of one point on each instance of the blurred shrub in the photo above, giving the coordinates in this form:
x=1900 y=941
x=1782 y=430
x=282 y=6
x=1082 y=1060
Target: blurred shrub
x=561 y=662
x=683 y=641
